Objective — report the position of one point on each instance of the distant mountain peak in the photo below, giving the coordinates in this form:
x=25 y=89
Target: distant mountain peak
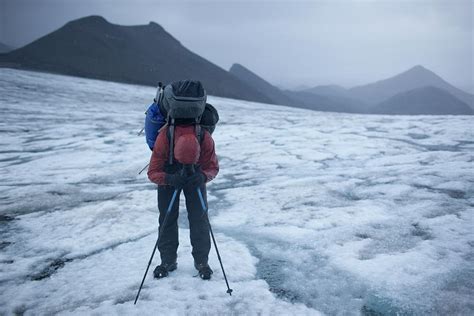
x=156 y=26
x=417 y=67
x=424 y=100
x=98 y=26
x=419 y=70
x=97 y=20
x=243 y=72
x=236 y=66
x=249 y=77
x=91 y=19
x=415 y=77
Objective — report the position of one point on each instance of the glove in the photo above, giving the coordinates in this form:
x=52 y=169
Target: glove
x=195 y=180
x=176 y=180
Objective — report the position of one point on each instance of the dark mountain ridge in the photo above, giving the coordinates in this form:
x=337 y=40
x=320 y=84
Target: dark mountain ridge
x=142 y=54
x=276 y=95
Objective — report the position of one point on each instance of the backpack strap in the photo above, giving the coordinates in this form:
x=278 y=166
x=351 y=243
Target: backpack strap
x=171 y=141
x=198 y=130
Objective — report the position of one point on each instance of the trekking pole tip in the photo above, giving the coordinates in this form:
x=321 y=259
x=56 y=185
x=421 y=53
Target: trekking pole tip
x=229 y=291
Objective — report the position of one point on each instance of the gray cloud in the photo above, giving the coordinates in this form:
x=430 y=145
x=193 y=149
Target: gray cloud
x=289 y=43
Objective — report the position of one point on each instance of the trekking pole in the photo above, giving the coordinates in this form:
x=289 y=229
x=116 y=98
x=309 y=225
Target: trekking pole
x=204 y=208
x=143 y=169
x=141 y=131
x=157 y=241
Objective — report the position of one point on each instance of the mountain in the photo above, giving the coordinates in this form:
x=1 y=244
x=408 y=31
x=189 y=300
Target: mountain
x=425 y=100
x=4 y=48
x=328 y=90
x=413 y=78
x=276 y=95
x=299 y=87
x=299 y=99
x=142 y=54
x=340 y=95
x=318 y=102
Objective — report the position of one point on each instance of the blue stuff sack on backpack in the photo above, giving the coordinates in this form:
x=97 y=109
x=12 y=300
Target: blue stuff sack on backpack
x=154 y=121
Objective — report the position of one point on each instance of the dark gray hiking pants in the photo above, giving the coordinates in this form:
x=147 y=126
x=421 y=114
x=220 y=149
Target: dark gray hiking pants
x=199 y=230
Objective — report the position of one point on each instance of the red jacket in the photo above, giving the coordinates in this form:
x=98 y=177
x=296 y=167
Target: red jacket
x=160 y=155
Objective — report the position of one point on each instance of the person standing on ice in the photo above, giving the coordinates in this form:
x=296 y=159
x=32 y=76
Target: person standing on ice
x=194 y=150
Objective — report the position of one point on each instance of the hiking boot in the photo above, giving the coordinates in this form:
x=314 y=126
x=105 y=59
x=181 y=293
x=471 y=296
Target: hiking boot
x=163 y=270
x=205 y=271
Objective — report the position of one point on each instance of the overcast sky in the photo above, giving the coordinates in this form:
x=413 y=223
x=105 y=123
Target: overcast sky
x=346 y=42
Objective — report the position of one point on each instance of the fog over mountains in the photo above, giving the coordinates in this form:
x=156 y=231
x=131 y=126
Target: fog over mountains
x=145 y=54
x=389 y=96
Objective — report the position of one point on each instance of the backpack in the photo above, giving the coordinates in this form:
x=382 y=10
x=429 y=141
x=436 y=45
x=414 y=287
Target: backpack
x=179 y=103
x=185 y=99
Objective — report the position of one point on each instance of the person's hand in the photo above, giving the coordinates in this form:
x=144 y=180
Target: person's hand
x=195 y=180
x=176 y=180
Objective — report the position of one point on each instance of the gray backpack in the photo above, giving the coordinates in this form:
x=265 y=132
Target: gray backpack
x=184 y=102
x=185 y=99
